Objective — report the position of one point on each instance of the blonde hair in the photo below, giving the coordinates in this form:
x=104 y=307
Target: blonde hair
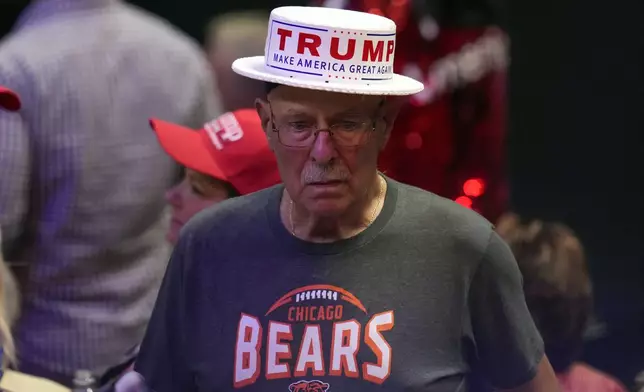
x=8 y=312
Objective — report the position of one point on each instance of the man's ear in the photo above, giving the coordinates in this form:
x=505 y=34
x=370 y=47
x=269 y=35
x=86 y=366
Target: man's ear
x=264 y=114
x=391 y=109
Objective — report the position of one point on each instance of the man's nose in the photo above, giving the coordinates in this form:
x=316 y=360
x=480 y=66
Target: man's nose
x=324 y=149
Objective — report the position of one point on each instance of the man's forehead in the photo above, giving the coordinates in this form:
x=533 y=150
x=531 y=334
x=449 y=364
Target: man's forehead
x=294 y=100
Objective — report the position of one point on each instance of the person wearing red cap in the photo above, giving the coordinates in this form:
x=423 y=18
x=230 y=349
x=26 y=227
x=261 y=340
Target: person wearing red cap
x=9 y=100
x=230 y=156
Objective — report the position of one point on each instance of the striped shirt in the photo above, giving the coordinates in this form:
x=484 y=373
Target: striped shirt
x=82 y=177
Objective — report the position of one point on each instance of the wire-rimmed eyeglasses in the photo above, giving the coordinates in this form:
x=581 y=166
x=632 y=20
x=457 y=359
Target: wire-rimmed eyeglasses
x=350 y=132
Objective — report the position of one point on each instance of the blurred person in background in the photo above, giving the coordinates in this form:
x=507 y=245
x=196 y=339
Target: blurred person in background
x=82 y=179
x=559 y=295
x=229 y=37
x=10 y=379
x=9 y=304
x=229 y=157
x=639 y=382
x=9 y=295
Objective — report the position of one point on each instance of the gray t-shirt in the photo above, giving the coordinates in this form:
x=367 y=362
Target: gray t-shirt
x=415 y=302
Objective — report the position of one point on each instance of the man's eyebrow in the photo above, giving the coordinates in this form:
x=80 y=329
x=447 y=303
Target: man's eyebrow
x=355 y=110
x=350 y=111
x=296 y=112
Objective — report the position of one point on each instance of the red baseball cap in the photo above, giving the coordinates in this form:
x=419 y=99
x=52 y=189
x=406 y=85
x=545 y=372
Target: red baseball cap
x=9 y=100
x=232 y=148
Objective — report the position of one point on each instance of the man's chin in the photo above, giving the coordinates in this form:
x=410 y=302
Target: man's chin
x=328 y=207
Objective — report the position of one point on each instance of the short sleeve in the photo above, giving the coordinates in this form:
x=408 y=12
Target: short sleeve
x=508 y=346
x=164 y=353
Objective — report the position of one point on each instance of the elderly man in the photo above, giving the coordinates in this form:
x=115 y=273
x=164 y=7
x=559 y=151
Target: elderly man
x=340 y=279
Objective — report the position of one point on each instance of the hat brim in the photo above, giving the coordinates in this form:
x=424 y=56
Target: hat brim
x=9 y=100
x=398 y=85
x=187 y=147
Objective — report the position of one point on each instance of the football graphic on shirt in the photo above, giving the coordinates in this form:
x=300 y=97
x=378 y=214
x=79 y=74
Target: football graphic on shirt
x=309 y=386
x=313 y=332
x=313 y=292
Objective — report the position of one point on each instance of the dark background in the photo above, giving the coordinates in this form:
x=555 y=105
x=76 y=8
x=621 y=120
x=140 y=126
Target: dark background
x=576 y=148
x=576 y=153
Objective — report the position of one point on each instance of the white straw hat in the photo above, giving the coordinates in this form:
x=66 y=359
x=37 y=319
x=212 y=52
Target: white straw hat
x=329 y=49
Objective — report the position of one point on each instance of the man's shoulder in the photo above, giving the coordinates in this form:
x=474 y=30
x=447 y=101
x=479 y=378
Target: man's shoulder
x=129 y=27
x=431 y=207
x=423 y=211
x=230 y=217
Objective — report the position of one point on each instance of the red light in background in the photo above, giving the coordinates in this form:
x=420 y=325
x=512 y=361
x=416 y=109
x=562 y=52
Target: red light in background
x=413 y=141
x=474 y=187
x=464 y=201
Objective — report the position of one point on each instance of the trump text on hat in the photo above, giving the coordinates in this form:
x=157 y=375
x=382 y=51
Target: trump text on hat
x=225 y=128
x=330 y=54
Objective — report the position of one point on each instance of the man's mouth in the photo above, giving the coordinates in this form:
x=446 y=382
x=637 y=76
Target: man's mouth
x=327 y=183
